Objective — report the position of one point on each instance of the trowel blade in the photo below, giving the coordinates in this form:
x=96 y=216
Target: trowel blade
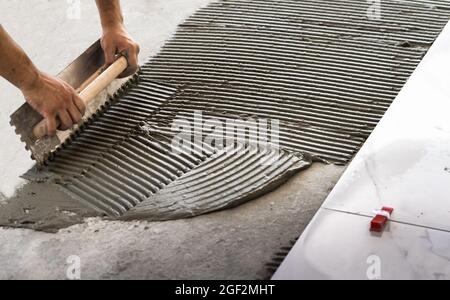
x=25 y=118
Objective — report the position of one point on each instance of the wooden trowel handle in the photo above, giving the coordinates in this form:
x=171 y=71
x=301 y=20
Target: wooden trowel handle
x=91 y=91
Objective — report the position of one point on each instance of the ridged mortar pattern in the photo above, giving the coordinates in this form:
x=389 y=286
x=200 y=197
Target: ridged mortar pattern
x=325 y=71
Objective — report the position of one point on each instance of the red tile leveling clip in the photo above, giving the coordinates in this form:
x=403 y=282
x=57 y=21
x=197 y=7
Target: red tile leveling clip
x=380 y=220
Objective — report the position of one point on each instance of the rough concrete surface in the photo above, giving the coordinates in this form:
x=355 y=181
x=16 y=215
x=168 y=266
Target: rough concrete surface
x=232 y=244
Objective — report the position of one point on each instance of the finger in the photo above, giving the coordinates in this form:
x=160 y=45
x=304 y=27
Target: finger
x=79 y=103
x=132 y=68
x=51 y=125
x=66 y=120
x=132 y=62
x=110 y=54
x=74 y=113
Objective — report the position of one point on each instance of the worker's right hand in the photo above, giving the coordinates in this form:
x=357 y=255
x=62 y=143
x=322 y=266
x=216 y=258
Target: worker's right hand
x=55 y=100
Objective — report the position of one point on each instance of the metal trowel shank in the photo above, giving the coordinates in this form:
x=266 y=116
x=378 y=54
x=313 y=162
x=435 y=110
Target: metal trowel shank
x=78 y=74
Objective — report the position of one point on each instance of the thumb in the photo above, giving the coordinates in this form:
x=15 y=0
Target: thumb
x=51 y=125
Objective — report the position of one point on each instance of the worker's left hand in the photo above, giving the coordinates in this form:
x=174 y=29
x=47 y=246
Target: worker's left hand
x=116 y=40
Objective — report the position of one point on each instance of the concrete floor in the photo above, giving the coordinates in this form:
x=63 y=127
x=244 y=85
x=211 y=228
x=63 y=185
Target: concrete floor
x=232 y=244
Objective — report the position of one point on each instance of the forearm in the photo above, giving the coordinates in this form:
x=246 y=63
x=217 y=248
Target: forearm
x=115 y=39
x=15 y=65
x=110 y=13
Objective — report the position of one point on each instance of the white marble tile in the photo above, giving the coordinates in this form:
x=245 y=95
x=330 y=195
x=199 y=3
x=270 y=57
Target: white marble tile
x=339 y=245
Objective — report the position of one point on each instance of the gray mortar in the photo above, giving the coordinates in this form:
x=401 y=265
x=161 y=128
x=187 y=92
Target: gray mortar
x=327 y=81
x=208 y=246
x=118 y=170
x=42 y=206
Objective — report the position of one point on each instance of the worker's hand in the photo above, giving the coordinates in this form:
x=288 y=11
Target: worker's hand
x=54 y=98
x=116 y=40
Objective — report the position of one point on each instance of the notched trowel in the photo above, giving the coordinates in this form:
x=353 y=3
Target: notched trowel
x=88 y=77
